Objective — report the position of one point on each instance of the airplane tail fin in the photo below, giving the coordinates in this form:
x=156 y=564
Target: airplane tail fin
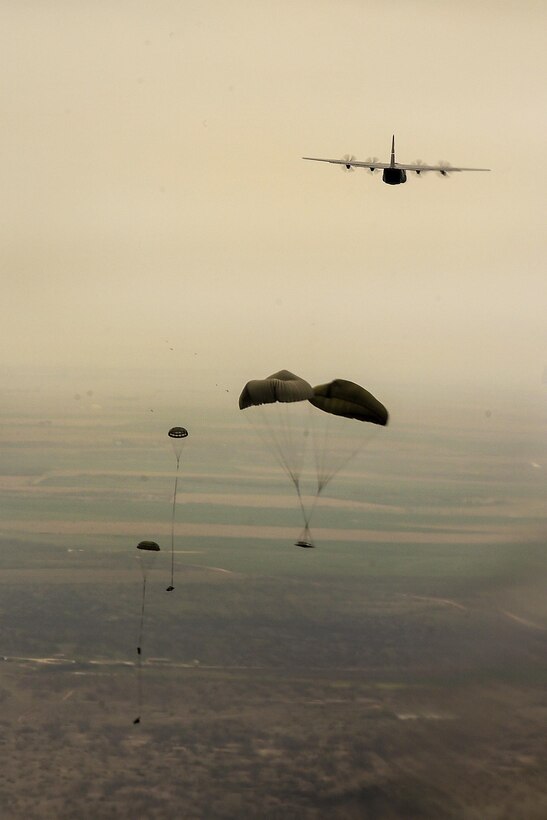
x=393 y=151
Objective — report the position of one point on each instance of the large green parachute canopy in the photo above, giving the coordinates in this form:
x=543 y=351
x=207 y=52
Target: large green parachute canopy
x=283 y=386
x=347 y=399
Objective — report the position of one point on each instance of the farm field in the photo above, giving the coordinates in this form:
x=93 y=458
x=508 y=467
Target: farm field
x=397 y=670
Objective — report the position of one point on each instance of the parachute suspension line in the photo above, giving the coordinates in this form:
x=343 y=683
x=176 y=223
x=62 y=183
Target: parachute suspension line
x=293 y=445
x=302 y=507
x=310 y=511
x=280 y=450
x=285 y=445
x=282 y=444
x=171 y=587
x=305 y=535
x=141 y=628
x=322 y=434
x=287 y=437
x=326 y=464
x=178 y=435
x=139 y=655
x=147 y=551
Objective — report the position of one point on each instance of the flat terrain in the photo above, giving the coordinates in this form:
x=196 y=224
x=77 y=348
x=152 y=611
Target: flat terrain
x=227 y=743
x=396 y=671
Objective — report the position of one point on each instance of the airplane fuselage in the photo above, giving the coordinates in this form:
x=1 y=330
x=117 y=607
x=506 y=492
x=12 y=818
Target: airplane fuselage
x=394 y=176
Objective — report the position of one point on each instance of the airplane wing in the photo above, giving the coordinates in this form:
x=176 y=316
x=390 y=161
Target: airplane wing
x=372 y=166
x=443 y=169
x=353 y=163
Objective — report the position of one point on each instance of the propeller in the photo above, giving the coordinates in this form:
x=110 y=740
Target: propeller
x=372 y=161
x=418 y=162
x=445 y=168
x=348 y=159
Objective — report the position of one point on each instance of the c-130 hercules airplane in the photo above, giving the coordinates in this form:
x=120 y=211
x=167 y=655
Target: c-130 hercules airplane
x=394 y=173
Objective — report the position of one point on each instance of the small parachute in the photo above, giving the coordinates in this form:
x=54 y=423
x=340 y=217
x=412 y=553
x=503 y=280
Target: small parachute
x=286 y=408
x=148 y=546
x=147 y=552
x=177 y=432
x=178 y=435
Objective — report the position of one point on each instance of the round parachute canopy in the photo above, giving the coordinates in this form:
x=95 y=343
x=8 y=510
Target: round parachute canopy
x=347 y=399
x=151 y=546
x=177 y=432
x=282 y=386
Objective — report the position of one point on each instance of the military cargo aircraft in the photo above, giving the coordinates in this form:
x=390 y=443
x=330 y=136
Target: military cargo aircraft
x=394 y=173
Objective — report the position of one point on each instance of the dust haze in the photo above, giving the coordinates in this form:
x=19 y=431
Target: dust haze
x=162 y=244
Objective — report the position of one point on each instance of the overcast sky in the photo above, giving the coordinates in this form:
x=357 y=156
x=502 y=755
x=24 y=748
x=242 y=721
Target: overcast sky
x=154 y=195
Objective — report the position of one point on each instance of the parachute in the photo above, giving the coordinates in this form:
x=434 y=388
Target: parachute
x=347 y=399
x=286 y=409
x=177 y=436
x=283 y=387
x=336 y=440
x=147 y=552
x=178 y=433
x=279 y=414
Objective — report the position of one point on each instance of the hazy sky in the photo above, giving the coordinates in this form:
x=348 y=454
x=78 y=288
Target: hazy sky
x=154 y=196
